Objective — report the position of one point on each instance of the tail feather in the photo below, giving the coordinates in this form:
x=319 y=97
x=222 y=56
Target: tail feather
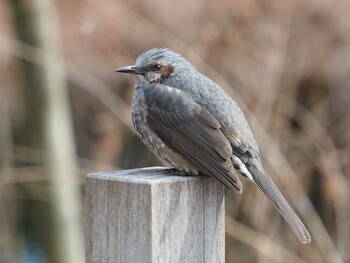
x=271 y=191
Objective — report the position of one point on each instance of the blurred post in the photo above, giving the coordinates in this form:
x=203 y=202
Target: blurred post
x=146 y=215
x=49 y=127
x=8 y=243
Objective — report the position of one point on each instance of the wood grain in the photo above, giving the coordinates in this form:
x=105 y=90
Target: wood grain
x=149 y=215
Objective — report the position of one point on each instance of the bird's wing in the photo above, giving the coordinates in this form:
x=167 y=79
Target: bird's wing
x=190 y=130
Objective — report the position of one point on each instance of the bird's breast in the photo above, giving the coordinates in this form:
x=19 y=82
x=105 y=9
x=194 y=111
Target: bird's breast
x=151 y=139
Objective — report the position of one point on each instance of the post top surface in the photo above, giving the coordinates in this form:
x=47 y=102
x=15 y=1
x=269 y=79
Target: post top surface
x=148 y=175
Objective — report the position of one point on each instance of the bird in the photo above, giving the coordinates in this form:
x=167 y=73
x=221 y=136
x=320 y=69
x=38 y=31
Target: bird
x=194 y=125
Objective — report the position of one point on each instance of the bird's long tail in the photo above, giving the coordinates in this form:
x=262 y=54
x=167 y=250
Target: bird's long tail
x=265 y=183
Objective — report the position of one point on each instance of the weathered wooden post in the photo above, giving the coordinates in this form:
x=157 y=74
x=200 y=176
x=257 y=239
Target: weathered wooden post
x=145 y=215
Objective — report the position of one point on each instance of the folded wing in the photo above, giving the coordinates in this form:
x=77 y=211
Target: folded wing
x=190 y=130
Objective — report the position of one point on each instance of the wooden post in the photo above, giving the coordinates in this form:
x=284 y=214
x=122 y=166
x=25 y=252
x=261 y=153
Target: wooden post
x=146 y=215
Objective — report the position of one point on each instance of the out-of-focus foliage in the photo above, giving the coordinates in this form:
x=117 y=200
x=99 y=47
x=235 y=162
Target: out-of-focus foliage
x=287 y=63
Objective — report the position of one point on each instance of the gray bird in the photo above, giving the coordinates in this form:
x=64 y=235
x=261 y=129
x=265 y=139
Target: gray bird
x=191 y=122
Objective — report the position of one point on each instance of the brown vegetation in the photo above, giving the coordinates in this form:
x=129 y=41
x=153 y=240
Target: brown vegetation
x=287 y=63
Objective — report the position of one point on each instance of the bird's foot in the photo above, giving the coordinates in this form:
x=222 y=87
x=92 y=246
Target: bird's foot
x=174 y=171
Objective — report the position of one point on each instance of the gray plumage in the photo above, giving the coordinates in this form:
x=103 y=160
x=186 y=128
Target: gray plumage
x=194 y=125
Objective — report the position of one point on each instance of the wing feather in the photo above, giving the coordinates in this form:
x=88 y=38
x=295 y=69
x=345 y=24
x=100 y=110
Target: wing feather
x=190 y=130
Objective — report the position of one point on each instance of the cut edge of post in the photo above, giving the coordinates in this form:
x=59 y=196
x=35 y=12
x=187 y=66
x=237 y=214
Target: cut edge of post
x=150 y=175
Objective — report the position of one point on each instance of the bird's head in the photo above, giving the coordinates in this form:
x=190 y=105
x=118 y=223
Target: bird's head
x=156 y=65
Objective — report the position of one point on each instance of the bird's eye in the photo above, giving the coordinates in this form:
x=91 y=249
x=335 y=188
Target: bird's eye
x=157 y=67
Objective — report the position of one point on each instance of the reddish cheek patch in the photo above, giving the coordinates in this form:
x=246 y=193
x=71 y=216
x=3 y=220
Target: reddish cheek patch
x=166 y=71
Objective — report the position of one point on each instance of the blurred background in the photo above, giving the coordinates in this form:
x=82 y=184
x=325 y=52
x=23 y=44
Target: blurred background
x=64 y=113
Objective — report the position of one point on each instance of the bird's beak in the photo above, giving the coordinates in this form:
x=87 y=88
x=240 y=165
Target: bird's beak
x=130 y=69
